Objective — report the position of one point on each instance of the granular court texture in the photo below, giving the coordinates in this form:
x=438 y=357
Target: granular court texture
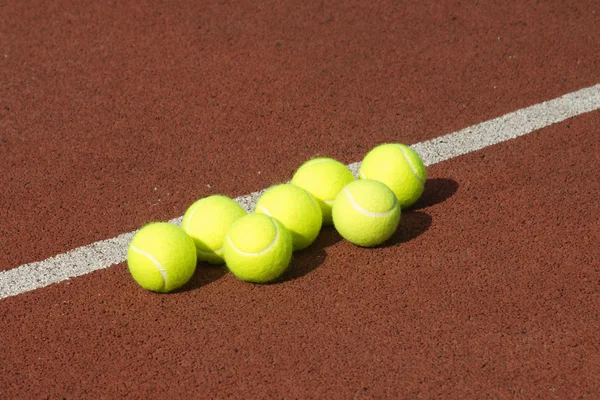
x=113 y=115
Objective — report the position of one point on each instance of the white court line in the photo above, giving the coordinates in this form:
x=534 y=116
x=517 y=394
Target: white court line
x=103 y=254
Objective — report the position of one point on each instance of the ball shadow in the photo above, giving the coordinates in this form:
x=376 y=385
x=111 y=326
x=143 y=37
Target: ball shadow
x=309 y=259
x=205 y=274
x=412 y=225
x=437 y=190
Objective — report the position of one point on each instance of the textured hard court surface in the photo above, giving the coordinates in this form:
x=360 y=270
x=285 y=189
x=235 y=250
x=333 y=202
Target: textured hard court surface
x=114 y=115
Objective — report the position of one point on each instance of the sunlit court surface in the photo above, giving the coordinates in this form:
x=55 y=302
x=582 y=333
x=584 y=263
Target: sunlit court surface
x=116 y=115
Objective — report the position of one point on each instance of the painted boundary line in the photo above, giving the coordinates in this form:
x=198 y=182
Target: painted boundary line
x=104 y=253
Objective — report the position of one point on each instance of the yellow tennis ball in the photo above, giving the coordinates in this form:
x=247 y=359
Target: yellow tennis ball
x=161 y=257
x=207 y=222
x=257 y=248
x=399 y=167
x=296 y=209
x=324 y=178
x=366 y=213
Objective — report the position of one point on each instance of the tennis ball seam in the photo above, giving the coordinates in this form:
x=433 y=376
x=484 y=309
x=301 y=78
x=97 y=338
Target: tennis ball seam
x=215 y=251
x=312 y=200
x=191 y=217
x=316 y=161
x=218 y=251
x=264 y=210
x=266 y=249
x=154 y=261
x=365 y=212
x=411 y=165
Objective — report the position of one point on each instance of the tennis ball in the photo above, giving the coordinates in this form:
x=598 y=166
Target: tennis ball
x=323 y=178
x=296 y=209
x=207 y=222
x=257 y=248
x=366 y=212
x=161 y=257
x=399 y=167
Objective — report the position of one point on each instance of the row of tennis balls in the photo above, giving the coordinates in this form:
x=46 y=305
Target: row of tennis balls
x=257 y=247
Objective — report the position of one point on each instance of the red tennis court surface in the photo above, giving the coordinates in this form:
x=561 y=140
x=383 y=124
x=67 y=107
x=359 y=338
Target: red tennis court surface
x=114 y=115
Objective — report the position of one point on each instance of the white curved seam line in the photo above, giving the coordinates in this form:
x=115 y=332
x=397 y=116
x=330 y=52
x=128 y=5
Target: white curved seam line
x=313 y=162
x=210 y=253
x=315 y=205
x=367 y=213
x=264 y=210
x=262 y=251
x=329 y=202
x=154 y=261
x=412 y=167
x=185 y=228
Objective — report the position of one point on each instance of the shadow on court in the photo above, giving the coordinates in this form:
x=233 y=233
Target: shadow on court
x=204 y=275
x=309 y=259
x=437 y=190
